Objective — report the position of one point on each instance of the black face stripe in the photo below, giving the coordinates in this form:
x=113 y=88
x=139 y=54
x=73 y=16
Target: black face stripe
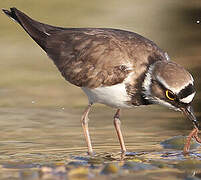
x=188 y=90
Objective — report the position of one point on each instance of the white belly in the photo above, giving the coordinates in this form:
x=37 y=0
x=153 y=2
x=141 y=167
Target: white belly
x=114 y=96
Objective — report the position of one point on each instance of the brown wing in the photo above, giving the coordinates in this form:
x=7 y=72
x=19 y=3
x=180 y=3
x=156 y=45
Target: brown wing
x=90 y=57
x=98 y=57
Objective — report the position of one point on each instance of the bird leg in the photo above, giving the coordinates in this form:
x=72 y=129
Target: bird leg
x=117 y=124
x=84 y=121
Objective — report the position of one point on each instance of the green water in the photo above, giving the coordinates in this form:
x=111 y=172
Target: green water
x=41 y=135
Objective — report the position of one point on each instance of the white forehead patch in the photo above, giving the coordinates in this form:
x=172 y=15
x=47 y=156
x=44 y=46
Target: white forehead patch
x=188 y=99
x=174 y=90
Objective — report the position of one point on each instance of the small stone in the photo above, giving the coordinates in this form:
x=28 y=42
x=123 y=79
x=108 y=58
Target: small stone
x=95 y=160
x=178 y=142
x=135 y=160
x=79 y=173
x=77 y=164
x=46 y=170
x=189 y=164
x=60 y=169
x=110 y=169
x=135 y=166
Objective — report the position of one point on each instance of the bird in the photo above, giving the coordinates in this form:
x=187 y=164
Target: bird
x=114 y=67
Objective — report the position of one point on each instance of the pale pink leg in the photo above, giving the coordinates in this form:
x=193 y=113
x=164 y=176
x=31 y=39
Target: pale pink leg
x=117 y=124
x=84 y=121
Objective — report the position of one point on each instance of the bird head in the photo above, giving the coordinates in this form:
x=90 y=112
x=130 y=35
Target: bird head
x=169 y=84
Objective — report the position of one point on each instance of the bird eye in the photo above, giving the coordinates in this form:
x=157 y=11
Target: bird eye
x=170 y=95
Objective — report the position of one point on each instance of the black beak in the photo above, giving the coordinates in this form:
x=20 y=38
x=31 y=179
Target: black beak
x=188 y=111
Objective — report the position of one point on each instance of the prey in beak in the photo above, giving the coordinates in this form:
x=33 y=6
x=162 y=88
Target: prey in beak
x=188 y=111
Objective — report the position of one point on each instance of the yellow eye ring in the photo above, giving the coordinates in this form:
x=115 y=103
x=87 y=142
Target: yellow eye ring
x=169 y=95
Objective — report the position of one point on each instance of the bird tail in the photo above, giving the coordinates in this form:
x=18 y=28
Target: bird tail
x=38 y=31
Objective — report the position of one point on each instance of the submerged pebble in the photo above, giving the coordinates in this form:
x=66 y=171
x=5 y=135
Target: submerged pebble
x=178 y=142
x=53 y=172
x=96 y=160
x=136 y=166
x=111 y=168
x=77 y=164
x=189 y=164
x=160 y=164
x=79 y=173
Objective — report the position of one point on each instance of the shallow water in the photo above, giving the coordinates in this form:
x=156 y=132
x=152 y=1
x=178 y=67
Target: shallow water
x=40 y=142
x=41 y=135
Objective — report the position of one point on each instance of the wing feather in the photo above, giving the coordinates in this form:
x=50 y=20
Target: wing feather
x=89 y=58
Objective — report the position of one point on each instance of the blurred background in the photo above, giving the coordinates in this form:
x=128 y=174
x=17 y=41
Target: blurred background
x=37 y=106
